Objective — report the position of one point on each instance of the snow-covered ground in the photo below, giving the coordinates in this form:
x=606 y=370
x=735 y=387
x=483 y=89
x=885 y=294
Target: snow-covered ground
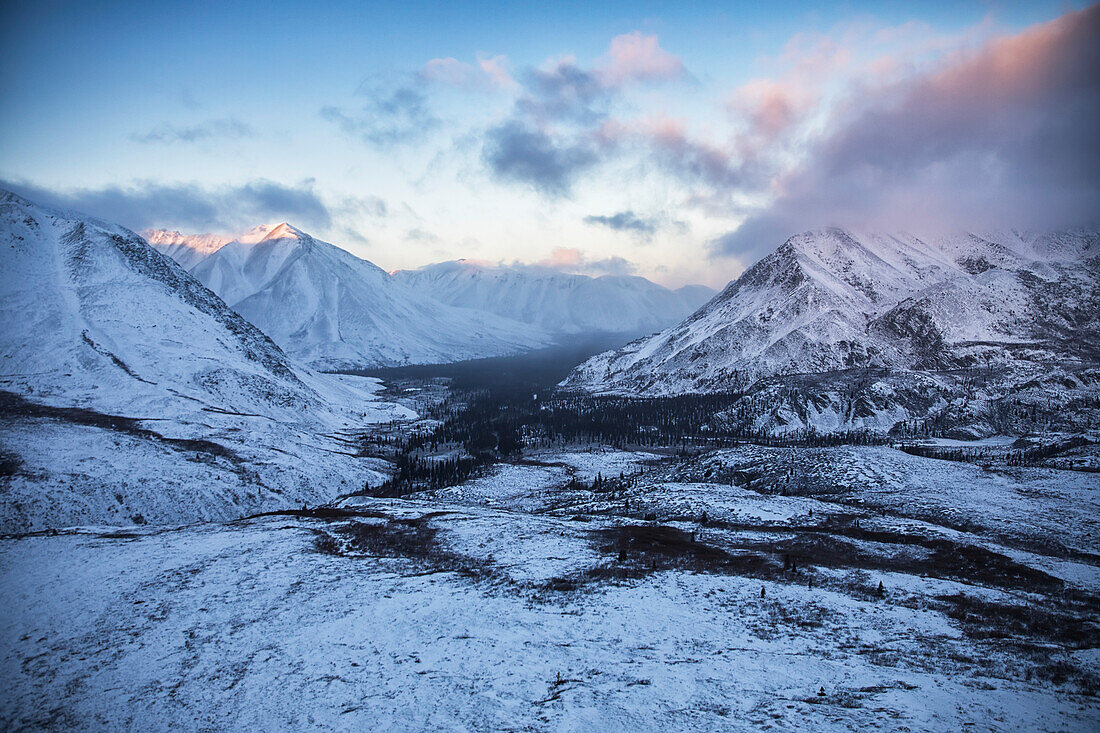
x=264 y=624
x=536 y=482
x=736 y=590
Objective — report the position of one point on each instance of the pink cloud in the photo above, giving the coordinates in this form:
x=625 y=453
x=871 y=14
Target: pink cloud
x=495 y=69
x=636 y=57
x=490 y=73
x=1001 y=135
x=563 y=258
x=571 y=259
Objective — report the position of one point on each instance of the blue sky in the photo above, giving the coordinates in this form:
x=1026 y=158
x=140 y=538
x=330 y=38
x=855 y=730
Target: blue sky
x=670 y=140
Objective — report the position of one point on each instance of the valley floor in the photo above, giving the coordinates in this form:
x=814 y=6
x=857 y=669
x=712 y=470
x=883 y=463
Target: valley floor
x=751 y=588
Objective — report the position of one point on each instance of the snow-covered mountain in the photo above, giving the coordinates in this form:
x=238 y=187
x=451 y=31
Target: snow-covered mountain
x=556 y=301
x=329 y=308
x=186 y=249
x=834 y=300
x=133 y=393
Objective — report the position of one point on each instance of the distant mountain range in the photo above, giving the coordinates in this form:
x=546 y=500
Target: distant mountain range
x=1022 y=307
x=330 y=309
x=333 y=310
x=555 y=301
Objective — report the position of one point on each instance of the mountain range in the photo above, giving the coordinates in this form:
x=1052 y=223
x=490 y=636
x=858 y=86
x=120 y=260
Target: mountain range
x=333 y=310
x=558 y=302
x=1020 y=306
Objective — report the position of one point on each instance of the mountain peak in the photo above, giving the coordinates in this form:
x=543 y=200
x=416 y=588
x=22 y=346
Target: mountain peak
x=271 y=232
x=284 y=230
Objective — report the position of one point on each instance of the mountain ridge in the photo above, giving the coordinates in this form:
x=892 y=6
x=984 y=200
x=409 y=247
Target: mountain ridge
x=1023 y=305
x=559 y=302
x=133 y=393
x=334 y=310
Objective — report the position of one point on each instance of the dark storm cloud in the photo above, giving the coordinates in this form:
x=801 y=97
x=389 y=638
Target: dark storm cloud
x=1004 y=137
x=188 y=207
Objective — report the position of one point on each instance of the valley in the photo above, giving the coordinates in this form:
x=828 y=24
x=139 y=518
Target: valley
x=566 y=367
x=205 y=525
x=571 y=572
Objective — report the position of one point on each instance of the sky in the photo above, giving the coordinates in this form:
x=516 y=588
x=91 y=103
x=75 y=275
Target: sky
x=677 y=141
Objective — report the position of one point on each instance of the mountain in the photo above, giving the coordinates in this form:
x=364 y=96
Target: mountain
x=186 y=249
x=331 y=309
x=556 y=301
x=132 y=393
x=1023 y=306
x=696 y=295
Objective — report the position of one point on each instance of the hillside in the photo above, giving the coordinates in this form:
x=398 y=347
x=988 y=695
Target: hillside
x=131 y=393
x=1020 y=307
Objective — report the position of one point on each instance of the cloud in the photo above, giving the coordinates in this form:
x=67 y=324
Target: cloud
x=517 y=152
x=448 y=71
x=636 y=57
x=421 y=235
x=495 y=69
x=692 y=160
x=625 y=221
x=188 y=207
x=571 y=259
x=563 y=91
x=490 y=74
x=999 y=136
x=226 y=129
x=390 y=116
x=371 y=206
x=556 y=128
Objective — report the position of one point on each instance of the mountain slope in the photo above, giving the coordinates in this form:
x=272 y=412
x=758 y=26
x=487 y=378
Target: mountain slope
x=834 y=300
x=556 y=301
x=130 y=390
x=333 y=310
x=186 y=249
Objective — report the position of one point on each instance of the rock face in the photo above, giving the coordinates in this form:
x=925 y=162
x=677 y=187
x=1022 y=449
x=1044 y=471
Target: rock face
x=130 y=391
x=558 y=302
x=1018 y=306
x=332 y=310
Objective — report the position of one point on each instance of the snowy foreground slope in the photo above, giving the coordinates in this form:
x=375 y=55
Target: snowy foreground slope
x=556 y=301
x=131 y=393
x=329 y=308
x=899 y=612
x=902 y=316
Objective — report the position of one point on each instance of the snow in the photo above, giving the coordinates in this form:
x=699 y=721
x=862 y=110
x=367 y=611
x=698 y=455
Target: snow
x=186 y=249
x=332 y=310
x=832 y=300
x=555 y=301
x=248 y=626
x=134 y=394
x=156 y=574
